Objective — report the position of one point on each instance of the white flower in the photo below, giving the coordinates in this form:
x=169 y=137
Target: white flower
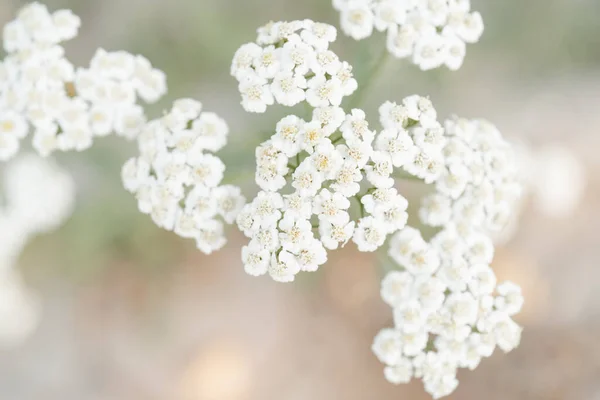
x=436 y=210
x=297 y=206
x=283 y=267
x=295 y=234
x=179 y=185
x=307 y=179
x=387 y=346
x=323 y=92
x=256 y=259
x=212 y=131
x=397 y=288
x=327 y=159
x=334 y=236
x=357 y=20
x=378 y=173
x=398 y=144
x=510 y=299
x=356 y=127
x=431 y=32
x=38 y=194
x=288 y=88
x=256 y=94
x=330 y=118
x=370 y=234
x=67 y=107
x=331 y=207
x=311 y=255
x=290 y=63
x=347 y=180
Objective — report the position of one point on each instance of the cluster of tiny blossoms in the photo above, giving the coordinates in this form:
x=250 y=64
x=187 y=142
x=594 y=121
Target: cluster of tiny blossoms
x=431 y=32
x=478 y=186
x=290 y=63
x=176 y=178
x=323 y=164
x=448 y=311
x=38 y=197
x=67 y=106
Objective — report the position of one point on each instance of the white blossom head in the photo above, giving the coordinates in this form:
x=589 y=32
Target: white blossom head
x=177 y=179
x=430 y=33
x=449 y=312
x=322 y=185
x=290 y=62
x=66 y=107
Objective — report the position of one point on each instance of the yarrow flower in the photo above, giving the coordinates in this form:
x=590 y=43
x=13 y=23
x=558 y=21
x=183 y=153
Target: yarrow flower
x=448 y=311
x=431 y=33
x=176 y=178
x=290 y=62
x=311 y=174
x=64 y=106
x=38 y=197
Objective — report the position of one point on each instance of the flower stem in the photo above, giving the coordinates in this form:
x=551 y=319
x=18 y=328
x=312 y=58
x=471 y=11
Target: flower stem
x=369 y=79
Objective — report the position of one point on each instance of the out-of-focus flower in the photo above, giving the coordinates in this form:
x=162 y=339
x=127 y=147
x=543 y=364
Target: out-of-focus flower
x=19 y=309
x=557 y=182
x=38 y=197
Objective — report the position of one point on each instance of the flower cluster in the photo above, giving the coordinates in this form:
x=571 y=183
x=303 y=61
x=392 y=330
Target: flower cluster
x=38 y=198
x=448 y=311
x=323 y=164
x=176 y=178
x=431 y=32
x=290 y=63
x=478 y=186
x=67 y=106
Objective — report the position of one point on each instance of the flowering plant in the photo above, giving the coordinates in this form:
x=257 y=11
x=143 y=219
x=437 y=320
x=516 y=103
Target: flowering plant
x=325 y=178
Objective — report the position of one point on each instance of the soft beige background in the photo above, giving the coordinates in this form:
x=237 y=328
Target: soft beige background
x=132 y=312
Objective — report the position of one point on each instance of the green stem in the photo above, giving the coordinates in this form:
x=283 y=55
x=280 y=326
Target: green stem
x=369 y=79
x=362 y=207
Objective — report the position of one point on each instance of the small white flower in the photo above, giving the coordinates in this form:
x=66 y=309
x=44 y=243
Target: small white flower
x=378 y=173
x=331 y=207
x=357 y=20
x=256 y=94
x=370 y=234
x=334 y=236
x=256 y=259
x=307 y=179
x=311 y=255
x=323 y=92
x=288 y=88
x=295 y=234
x=397 y=288
x=283 y=267
x=387 y=346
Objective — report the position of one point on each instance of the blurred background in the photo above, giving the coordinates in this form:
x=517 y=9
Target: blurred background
x=132 y=312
